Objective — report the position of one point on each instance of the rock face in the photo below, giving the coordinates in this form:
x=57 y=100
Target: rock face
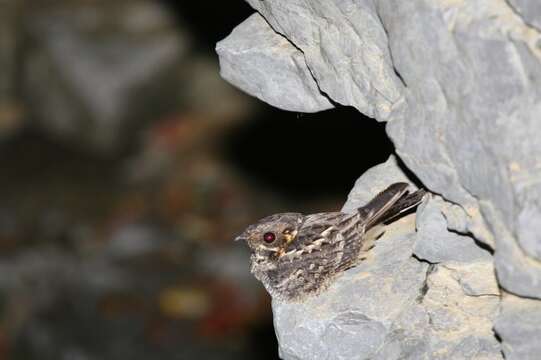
x=252 y=50
x=529 y=10
x=459 y=84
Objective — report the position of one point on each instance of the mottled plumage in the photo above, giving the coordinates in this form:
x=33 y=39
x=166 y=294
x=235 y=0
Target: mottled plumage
x=294 y=255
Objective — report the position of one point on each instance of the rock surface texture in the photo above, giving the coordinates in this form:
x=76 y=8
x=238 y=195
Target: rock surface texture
x=459 y=83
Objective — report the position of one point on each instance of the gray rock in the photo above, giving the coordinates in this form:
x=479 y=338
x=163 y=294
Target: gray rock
x=460 y=323
x=516 y=271
x=266 y=65
x=529 y=10
x=476 y=278
x=519 y=325
x=458 y=157
x=96 y=72
x=529 y=228
x=455 y=216
x=345 y=48
x=435 y=244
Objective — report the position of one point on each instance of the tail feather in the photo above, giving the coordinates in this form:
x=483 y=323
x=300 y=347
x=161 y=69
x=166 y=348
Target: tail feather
x=403 y=205
x=390 y=203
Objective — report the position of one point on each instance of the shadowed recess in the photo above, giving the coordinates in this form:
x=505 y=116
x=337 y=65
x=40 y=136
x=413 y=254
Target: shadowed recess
x=303 y=155
x=209 y=26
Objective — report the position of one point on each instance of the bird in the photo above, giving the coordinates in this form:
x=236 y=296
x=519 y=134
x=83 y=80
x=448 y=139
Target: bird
x=296 y=256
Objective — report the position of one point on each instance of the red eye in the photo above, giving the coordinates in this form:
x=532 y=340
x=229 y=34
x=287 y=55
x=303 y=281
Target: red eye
x=269 y=237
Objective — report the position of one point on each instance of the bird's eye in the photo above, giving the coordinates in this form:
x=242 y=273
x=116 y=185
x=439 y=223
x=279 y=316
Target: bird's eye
x=269 y=237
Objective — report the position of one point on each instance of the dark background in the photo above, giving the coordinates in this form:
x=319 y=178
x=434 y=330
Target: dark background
x=128 y=166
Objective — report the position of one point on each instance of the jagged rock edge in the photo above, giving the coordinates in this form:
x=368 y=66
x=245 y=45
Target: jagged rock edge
x=398 y=75
x=519 y=14
x=432 y=267
x=475 y=199
x=323 y=93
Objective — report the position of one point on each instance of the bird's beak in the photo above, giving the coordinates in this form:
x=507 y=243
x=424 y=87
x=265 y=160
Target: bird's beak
x=239 y=238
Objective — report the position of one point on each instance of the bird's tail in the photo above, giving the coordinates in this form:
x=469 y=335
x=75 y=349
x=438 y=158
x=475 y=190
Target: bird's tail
x=390 y=204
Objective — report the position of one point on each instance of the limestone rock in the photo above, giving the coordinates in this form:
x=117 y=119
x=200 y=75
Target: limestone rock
x=435 y=244
x=265 y=64
x=519 y=325
x=530 y=10
x=459 y=157
x=344 y=46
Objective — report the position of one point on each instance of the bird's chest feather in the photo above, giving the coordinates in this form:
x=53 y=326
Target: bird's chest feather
x=306 y=269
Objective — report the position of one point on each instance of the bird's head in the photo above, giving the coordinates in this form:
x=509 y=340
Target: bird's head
x=271 y=235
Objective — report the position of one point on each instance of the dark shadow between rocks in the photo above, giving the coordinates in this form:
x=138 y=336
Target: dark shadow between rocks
x=209 y=26
x=302 y=155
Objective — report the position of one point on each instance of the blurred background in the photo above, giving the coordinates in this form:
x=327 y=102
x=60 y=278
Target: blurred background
x=128 y=166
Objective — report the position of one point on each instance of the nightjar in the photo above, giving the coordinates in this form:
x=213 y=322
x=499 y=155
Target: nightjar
x=296 y=255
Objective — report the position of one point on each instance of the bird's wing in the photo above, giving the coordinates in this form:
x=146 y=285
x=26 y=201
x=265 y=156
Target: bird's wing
x=320 y=229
